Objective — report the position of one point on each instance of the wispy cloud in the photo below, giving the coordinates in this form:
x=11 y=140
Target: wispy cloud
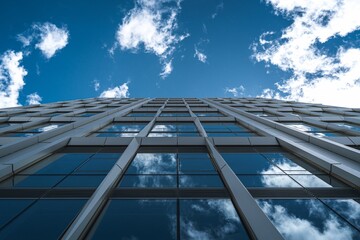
x=33 y=98
x=200 y=55
x=318 y=74
x=235 y=91
x=121 y=91
x=48 y=38
x=151 y=24
x=11 y=78
x=218 y=9
x=167 y=69
x=96 y=85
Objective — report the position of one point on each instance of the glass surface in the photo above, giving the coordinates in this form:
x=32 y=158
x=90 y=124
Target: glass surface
x=346 y=208
x=317 y=181
x=10 y=208
x=141 y=114
x=96 y=166
x=303 y=127
x=306 y=219
x=208 y=114
x=81 y=181
x=43 y=128
x=153 y=163
x=149 y=181
x=113 y=134
x=162 y=134
x=63 y=164
x=210 y=219
x=46 y=219
x=164 y=128
x=118 y=127
x=196 y=166
x=136 y=219
x=31 y=181
x=250 y=163
x=268 y=181
x=175 y=114
x=200 y=181
x=349 y=126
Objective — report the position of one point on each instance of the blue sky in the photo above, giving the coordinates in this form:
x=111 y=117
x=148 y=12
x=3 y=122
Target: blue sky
x=286 y=49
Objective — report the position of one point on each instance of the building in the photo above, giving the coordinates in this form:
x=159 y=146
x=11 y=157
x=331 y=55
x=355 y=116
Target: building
x=175 y=168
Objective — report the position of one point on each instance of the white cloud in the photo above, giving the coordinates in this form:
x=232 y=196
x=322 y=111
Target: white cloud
x=151 y=24
x=96 y=85
x=167 y=69
x=200 y=56
x=219 y=8
x=52 y=38
x=11 y=78
x=235 y=91
x=33 y=98
x=48 y=37
x=317 y=74
x=294 y=227
x=121 y=91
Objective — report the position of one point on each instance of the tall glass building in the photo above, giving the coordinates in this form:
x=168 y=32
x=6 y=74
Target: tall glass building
x=179 y=168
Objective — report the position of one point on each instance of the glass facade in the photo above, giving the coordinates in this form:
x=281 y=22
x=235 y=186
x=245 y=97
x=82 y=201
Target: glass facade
x=213 y=168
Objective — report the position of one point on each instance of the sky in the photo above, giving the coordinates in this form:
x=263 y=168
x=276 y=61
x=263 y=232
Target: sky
x=299 y=50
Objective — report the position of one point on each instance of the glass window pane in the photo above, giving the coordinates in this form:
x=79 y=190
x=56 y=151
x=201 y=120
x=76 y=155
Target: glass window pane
x=9 y=208
x=196 y=166
x=63 y=164
x=268 y=181
x=347 y=208
x=31 y=181
x=306 y=219
x=81 y=181
x=200 y=181
x=250 y=163
x=210 y=219
x=149 y=181
x=137 y=219
x=46 y=219
x=317 y=181
x=153 y=163
x=96 y=166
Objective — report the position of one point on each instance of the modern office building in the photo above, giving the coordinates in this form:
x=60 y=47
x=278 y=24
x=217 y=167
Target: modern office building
x=179 y=168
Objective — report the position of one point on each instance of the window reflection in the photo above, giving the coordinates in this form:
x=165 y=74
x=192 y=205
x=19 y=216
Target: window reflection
x=226 y=129
x=312 y=130
x=174 y=130
x=35 y=130
x=118 y=129
x=306 y=219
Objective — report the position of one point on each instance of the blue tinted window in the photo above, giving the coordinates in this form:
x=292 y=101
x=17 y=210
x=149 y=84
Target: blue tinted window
x=31 y=181
x=153 y=163
x=46 y=219
x=210 y=219
x=81 y=181
x=10 y=208
x=308 y=218
x=149 y=181
x=137 y=219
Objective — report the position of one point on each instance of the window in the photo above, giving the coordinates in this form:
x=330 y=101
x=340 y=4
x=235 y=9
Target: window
x=141 y=114
x=87 y=114
x=175 y=114
x=262 y=114
x=226 y=129
x=35 y=130
x=41 y=219
x=274 y=168
x=175 y=129
x=169 y=219
x=120 y=129
x=209 y=114
x=310 y=129
x=66 y=169
x=171 y=170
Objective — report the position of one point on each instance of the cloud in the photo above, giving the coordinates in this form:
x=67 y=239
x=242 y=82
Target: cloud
x=151 y=24
x=121 y=91
x=317 y=72
x=219 y=8
x=48 y=37
x=33 y=98
x=167 y=69
x=11 y=78
x=235 y=91
x=200 y=56
x=295 y=227
x=96 y=85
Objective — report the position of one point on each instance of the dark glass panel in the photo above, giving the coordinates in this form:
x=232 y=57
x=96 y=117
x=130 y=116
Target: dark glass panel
x=149 y=181
x=210 y=219
x=137 y=219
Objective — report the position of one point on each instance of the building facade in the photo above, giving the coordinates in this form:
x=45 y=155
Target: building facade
x=179 y=168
